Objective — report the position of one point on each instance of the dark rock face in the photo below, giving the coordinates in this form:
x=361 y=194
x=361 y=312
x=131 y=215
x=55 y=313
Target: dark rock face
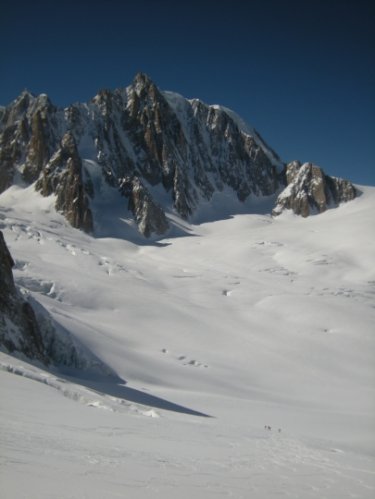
x=14 y=137
x=148 y=215
x=26 y=328
x=7 y=287
x=37 y=151
x=341 y=190
x=309 y=189
x=19 y=329
x=140 y=138
x=63 y=176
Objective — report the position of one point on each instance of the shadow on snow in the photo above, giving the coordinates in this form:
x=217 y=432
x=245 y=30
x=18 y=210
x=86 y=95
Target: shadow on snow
x=117 y=387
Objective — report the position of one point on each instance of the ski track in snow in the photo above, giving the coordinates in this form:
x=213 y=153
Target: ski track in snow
x=257 y=322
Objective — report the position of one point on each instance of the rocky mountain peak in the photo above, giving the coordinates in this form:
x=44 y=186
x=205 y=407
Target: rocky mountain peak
x=103 y=100
x=24 y=100
x=139 y=140
x=143 y=95
x=26 y=105
x=142 y=82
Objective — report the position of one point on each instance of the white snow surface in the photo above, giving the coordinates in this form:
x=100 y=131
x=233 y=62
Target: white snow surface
x=179 y=104
x=254 y=321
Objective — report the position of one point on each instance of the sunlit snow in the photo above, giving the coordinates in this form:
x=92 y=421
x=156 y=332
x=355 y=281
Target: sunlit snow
x=243 y=353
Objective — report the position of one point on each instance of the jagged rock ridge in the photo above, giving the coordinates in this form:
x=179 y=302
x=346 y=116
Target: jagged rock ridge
x=310 y=190
x=140 y=138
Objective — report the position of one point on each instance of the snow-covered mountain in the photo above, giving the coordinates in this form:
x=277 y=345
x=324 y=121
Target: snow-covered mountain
x=154 y=153
x=228 y=354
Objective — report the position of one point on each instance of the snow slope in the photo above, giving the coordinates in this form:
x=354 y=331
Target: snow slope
x=235 y=325
x=180 y=106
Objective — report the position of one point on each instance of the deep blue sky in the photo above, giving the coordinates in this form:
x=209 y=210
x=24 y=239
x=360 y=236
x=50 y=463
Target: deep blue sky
x=301 y=71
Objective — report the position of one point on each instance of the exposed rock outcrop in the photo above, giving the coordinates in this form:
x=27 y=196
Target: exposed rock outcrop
x=63 y=176
x=7 y=287
x=309 y=190
x=26 y=328
x=19 y=329
x=148 y=215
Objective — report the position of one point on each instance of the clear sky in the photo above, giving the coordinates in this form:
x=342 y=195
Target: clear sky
x=301 y=71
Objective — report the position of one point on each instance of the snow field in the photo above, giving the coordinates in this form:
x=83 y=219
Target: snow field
x=251 y=320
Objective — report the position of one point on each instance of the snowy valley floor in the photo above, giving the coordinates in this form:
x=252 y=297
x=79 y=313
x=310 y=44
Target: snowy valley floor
x=240 y=324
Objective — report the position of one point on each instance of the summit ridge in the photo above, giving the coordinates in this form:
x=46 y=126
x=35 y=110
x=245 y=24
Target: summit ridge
x=139 y=140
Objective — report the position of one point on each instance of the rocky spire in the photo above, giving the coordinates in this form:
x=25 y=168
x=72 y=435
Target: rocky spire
x=148 y=215
x=142 y=82
x=38 y=152
x=63 y=176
